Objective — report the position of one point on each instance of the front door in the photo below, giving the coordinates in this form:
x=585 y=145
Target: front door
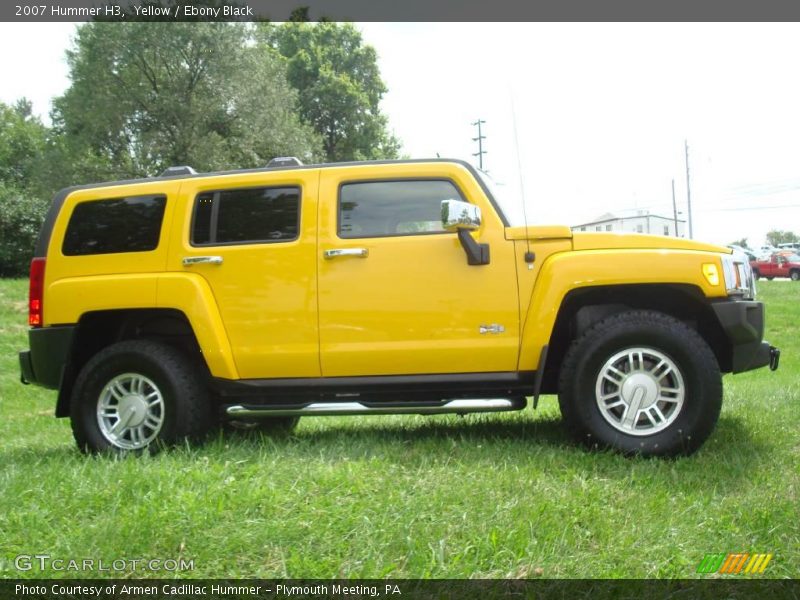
x=396 y=295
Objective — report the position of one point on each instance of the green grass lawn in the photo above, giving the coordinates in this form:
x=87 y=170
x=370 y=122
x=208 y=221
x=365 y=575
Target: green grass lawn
x=502 y=495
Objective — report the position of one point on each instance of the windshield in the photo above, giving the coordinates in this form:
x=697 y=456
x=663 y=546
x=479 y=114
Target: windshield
x=507 y=198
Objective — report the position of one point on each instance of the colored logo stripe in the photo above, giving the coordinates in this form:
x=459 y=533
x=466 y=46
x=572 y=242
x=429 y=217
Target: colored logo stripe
x=734 y=563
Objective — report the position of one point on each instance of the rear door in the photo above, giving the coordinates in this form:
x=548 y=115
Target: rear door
x=252 y=237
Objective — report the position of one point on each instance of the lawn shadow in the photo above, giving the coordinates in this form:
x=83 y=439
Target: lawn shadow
x=483 y=439
x=373 y=432
x=541 y=440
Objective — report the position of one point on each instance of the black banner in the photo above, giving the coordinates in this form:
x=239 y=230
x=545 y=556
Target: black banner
x=405 y=10
x=405 y=589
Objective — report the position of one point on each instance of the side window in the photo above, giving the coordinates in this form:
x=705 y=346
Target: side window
x=116 y=225
x=389 y=208
x=246 y=216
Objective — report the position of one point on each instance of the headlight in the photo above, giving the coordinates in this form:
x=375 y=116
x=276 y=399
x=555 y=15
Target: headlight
x=739 y=280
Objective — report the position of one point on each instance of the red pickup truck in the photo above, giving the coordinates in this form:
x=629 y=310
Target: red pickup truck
x=778 y=265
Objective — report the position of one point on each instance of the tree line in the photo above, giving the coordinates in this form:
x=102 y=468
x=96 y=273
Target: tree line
x=146 y=96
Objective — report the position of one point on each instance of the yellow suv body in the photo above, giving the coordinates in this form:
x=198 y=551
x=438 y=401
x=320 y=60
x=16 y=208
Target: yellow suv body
x=367 y=288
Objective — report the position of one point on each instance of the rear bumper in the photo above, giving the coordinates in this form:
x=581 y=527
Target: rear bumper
x=743 y=324
x=44 y=363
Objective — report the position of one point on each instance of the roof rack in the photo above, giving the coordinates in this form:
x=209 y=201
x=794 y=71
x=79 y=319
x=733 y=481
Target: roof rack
x=284 y=161
x=182 y=170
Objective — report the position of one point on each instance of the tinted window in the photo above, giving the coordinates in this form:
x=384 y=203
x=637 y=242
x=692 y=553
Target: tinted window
x=118 y=225
x=381 y=208
x=246 y=216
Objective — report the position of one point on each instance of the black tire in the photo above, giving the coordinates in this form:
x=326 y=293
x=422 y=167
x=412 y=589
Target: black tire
x=756 y=274
x=688 y=423
x=270 y=425
x=175 y=386
x=794 y=275
x=770 y=278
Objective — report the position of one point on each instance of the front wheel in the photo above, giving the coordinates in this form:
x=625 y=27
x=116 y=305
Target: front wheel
x=138 y=395
x=795 y=275
x=641 y=382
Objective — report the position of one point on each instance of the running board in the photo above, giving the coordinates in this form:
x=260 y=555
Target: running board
x=321 y=409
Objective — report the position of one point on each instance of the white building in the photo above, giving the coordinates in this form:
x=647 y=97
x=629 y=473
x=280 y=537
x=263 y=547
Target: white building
x=638 y=221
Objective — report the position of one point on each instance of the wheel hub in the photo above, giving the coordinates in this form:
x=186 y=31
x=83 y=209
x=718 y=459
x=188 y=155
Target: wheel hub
x=134 y=407
x=640 y=391
x=641 y=388
x=130 y=411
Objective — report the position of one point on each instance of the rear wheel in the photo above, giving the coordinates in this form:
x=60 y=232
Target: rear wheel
x=138 y=395
x=641 y=382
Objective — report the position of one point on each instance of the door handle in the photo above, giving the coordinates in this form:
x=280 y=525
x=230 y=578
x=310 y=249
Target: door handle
x=358 y=252
x=188 y=261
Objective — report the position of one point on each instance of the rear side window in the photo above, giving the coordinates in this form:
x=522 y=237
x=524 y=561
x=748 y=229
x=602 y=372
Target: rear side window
x=246 y=216
x=116 y=225
x=391 y=208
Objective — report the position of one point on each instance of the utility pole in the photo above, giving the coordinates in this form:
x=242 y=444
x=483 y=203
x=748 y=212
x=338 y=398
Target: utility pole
x=674 y=208
x=479 y=139
x=688 y=190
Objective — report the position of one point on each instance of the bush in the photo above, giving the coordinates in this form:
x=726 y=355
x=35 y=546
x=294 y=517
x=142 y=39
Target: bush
x=21 y=218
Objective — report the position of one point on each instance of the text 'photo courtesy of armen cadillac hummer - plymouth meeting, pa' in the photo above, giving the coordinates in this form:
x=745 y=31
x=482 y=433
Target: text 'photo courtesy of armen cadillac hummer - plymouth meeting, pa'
x=161 y=308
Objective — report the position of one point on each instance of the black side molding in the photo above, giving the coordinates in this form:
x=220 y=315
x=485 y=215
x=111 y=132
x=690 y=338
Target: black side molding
x=388 y=388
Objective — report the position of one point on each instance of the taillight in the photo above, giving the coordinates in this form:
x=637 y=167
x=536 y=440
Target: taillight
x=36 y=293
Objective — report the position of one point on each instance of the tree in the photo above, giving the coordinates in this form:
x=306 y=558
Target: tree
x=21 y=217
x=741 y=243
x=777 y=236
x=22 y=206
x=145 y=96
x=22 y=140
x=339 y=85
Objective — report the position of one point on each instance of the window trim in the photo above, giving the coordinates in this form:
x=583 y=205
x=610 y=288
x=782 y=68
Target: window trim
x=162 y=195
x=462 y=197
x=215 y=216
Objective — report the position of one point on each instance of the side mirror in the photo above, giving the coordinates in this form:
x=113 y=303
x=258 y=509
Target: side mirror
x=464 y=217
x=460 y=215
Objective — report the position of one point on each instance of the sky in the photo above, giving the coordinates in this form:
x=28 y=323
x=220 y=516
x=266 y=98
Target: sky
x=580 y=119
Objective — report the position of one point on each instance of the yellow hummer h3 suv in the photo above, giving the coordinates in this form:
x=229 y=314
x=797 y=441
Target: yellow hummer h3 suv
x=159 y=307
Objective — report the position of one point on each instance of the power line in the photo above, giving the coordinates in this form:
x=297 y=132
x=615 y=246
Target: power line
x=688 y=189
x=479 y=139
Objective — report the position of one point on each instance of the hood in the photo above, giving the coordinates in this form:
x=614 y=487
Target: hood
x=584 y=240
x=538 y=232
x=612 y=241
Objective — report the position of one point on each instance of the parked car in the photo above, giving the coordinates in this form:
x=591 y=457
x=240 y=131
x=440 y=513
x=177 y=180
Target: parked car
x=764 y=252
x=746 y=251
x=780 y=264
x=793 y=246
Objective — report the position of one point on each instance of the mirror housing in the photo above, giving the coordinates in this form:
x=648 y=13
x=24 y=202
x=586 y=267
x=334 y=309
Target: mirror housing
x=464 y=217
x=457 y=215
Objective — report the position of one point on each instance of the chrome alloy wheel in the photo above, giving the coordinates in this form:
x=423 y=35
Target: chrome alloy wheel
x=640 y=391
x=130 y=411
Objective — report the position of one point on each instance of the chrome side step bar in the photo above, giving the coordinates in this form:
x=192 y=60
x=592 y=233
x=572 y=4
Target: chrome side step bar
x=320 y=409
